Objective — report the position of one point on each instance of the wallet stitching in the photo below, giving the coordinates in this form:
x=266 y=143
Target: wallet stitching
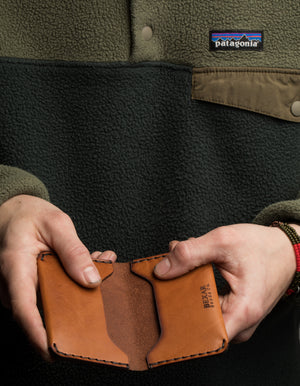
x=102 y=261
x=148 y=259
x=150 y=364
x=89 y=358
x=189 y=356
x=43 y=255
x=125 y=364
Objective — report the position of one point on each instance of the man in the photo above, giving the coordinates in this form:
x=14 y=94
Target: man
x=146 y=125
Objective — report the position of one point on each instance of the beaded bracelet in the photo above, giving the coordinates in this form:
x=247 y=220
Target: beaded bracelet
x=295 y=239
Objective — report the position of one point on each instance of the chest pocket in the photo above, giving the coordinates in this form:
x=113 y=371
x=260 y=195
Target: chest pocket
x=269 y=91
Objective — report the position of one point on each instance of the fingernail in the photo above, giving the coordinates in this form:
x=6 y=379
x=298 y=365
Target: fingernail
x=163 y=267
x=92 y=275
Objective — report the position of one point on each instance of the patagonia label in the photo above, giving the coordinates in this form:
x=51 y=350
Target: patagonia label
x=236 y=40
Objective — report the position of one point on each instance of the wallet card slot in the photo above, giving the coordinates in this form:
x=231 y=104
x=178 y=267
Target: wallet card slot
x=189 y=313
x=74 y=316
x=130 y=314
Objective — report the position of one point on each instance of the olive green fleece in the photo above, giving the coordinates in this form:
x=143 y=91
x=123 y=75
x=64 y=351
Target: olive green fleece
x=111 y=30
x=67 y=30
x=14 y=181
x=286 y=211
x=181 y=31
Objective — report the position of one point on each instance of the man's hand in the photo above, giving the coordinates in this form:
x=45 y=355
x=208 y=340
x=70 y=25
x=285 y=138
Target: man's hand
x=28 y=226
x=258 y=263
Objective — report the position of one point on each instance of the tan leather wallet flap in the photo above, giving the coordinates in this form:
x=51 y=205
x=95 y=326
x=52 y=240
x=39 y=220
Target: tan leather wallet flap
x=133 y=319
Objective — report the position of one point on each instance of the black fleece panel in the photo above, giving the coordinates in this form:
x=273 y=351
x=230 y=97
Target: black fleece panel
x=136 y=163
x=133 y=160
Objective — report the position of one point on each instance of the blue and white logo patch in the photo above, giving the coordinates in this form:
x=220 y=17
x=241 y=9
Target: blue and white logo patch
x=236 y=40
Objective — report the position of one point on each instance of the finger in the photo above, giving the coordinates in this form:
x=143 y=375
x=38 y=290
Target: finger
x=172 y=244
x=185 y=256
x=237 y=330
x=106 y=255
x=245 y=335
x=61 y=235
x=240 y=318
x=30 y=320
x=96 y=255
x=22 y=292
x=233 y=319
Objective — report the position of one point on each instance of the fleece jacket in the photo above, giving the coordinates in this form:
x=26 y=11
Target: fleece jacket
x=118 y=129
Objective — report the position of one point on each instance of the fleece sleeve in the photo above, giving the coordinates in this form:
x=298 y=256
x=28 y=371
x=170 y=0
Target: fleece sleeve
x=14 y=181
x=287 y=211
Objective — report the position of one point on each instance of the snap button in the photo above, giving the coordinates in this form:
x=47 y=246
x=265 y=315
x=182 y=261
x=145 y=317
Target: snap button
x=147 y=33
x=295 y=108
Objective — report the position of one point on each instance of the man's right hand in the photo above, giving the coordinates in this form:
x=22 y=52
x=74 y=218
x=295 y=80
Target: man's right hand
x=28 y=226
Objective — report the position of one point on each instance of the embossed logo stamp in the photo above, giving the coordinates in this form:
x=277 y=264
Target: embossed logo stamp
x=207 y=298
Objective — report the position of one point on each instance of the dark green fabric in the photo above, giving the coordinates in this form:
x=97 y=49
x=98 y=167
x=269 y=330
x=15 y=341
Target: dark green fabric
x=136 y=163
x=111 y=30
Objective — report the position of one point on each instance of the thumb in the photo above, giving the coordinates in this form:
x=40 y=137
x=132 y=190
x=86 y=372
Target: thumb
x=62 y=237
x=184 y=257
x=240 y=316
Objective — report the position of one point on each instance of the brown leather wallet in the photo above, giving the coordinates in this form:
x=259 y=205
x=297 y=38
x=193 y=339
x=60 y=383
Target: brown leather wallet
x=132 y=319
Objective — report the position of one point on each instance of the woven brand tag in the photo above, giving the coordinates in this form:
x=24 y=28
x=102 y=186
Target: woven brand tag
x=236 y=40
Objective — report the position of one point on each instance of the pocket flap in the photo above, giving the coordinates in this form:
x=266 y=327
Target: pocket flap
x=269 y=91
